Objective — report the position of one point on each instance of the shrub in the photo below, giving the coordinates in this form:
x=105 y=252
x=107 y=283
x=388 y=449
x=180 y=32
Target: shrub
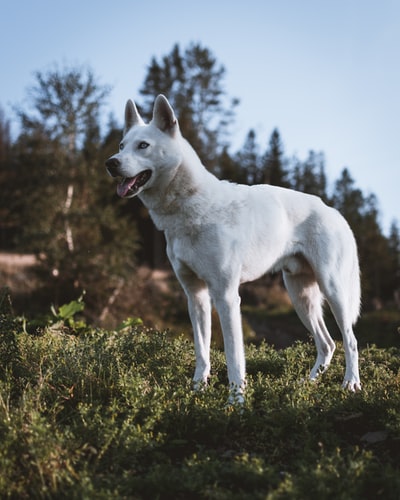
x=91 y=413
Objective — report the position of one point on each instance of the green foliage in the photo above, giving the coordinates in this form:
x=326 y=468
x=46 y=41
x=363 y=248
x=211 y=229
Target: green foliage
x=111 y=414
x=66 y=315
x=68 y=311
x=130 y=323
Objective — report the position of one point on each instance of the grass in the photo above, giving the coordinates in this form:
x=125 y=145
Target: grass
x=87 y=413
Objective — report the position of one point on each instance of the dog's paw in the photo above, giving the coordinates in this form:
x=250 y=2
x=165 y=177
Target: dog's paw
x=318 y=370
x=236 y=394
x=351 y=385
x=235 y=399
x=200 y=385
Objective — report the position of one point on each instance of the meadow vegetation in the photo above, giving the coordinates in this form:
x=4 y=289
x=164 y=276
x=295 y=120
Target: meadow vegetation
x=91 y=413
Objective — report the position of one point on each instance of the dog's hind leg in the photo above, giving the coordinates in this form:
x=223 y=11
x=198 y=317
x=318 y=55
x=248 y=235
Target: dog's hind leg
x=342 y=316
x=307 y=300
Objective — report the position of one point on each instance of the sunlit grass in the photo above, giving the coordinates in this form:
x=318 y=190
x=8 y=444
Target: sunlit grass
x=88 y=413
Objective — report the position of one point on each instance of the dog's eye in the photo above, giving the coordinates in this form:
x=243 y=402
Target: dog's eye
x=143 y=145
x=121 y=146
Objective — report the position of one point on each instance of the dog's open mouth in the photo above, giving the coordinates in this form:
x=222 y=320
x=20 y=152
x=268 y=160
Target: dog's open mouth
x=129 y=186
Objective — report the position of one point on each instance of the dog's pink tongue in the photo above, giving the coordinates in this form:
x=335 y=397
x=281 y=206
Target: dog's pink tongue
x=124 y=186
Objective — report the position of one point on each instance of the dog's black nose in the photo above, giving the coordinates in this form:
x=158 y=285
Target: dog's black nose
x=112 y=165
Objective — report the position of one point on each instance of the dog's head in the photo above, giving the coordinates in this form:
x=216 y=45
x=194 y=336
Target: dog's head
x=148 y=154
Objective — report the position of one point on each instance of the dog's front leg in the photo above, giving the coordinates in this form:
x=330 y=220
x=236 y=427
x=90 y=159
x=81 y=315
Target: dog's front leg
x=199 y=305
x=228 y=308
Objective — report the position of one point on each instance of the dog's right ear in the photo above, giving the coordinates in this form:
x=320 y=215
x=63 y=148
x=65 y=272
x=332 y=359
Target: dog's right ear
x=163 y=115
x=132 y=116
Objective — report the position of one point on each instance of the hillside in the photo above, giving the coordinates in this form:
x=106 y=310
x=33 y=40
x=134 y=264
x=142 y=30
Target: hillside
x=92 y=413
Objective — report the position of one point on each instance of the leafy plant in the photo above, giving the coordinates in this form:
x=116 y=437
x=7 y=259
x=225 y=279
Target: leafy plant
x=66 y=315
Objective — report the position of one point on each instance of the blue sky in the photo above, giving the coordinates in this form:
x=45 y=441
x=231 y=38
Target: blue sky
x=325 y=72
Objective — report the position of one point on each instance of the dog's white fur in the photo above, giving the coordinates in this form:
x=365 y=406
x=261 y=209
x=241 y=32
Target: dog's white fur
x=221 y=234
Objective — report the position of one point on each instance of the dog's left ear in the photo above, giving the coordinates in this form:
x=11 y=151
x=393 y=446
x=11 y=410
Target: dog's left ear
x=163 y=115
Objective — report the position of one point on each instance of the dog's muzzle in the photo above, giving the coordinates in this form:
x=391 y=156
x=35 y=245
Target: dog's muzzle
x=128 y=187
x=113 y=167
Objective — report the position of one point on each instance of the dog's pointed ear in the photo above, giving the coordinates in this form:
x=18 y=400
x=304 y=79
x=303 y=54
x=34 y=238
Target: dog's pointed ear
x=132 y=116
x=163 y=115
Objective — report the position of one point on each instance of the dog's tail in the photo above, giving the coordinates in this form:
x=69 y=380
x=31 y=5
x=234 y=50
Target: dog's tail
x=355 y=289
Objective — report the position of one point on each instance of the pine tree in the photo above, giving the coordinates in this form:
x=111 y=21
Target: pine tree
x=228 y=167
x=393 y=281
x=248 y=160
x=273 y=164
x=394 y=242
x=373 y=249
x=348 y=199
x=309 y=176
x=5 y=138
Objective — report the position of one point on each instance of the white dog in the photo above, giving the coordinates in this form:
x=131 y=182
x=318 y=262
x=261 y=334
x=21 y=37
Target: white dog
x=221 y=234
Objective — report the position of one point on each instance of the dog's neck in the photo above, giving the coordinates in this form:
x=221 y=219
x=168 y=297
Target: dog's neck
x=188 y=183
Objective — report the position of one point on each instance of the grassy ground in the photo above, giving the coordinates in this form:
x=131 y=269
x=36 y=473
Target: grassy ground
x=88 y=413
